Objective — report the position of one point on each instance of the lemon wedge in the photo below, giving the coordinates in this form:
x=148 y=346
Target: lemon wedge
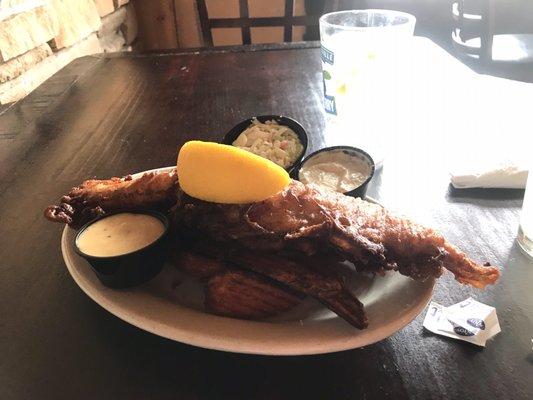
x=221 y=173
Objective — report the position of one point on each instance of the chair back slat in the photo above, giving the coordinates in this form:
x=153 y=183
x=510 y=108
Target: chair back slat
x=245 y=30
x=204 y=22
x=244 y=22
x=287 y=30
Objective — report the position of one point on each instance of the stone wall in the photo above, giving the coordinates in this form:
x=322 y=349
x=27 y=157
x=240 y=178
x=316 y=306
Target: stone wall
x=39 y=37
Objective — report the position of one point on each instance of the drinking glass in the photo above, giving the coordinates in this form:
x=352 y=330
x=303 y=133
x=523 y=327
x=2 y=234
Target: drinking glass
x=359 y=51
x=525 y=231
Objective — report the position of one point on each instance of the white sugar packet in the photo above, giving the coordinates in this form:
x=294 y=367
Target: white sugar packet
x=468 y=320
x=437 y=322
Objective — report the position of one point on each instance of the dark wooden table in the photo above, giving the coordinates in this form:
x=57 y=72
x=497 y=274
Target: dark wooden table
x=101 y=117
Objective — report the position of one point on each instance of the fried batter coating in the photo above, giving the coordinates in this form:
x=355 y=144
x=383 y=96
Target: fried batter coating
x=242 y=294
x=311 y=219
x=196 y=265
x=328 y=289
x=153 y=190
x=302 y=217
x=235 y=293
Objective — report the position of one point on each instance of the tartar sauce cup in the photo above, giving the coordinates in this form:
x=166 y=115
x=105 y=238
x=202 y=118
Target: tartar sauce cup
x=361 y=156
x=130 y=269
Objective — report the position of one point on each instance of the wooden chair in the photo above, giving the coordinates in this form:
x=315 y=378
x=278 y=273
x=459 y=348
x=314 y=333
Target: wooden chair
x=473 y=19
x=493 y=31
x=245 y=22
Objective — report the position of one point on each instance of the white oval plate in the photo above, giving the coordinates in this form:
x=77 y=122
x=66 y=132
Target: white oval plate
x=171 y=306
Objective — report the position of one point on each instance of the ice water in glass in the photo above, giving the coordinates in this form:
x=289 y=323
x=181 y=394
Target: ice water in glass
x=359 y=51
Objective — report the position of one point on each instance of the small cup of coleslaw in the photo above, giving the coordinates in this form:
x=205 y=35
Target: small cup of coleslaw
x=280 y=139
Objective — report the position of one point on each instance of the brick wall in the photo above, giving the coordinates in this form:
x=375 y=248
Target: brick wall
x=39 y=37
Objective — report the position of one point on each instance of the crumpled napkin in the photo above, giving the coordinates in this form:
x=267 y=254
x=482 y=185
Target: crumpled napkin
x=488 y=143
x=501 y=175
x=491 y=161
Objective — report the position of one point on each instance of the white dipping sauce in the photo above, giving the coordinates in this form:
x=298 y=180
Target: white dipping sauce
x=120 y=234
x=335 y=170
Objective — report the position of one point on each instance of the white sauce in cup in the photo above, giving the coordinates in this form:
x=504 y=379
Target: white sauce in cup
x=120 y=234
x=336 y=170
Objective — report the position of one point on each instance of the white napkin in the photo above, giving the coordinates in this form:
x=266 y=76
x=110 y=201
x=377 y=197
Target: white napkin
x=501 y=175
x=489 y=142
x=491 y=160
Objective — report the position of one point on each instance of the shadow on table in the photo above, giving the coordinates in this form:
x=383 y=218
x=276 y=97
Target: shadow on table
x=156 y=365
x=467 y=349
x=465 y=195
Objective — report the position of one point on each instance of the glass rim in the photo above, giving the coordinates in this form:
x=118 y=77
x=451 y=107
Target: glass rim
x=411 y=19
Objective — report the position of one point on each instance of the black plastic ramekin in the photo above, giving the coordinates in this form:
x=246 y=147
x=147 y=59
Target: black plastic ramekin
x=362 y=155
x=234 y=132
x=131 y=269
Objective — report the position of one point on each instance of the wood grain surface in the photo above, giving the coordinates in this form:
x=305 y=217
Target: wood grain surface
x=157 y=24
x=102 y=117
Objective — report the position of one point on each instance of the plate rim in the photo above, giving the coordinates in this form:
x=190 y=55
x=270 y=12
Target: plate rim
x=231 y=345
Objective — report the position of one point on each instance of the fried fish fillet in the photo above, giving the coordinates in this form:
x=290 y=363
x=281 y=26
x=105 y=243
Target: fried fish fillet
x=310 y=219
x=301 y=217
x=274 y=284
x=242 y=294
x=329 y=290
x=196 y=265
x=153 y=190
x=235 y=293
